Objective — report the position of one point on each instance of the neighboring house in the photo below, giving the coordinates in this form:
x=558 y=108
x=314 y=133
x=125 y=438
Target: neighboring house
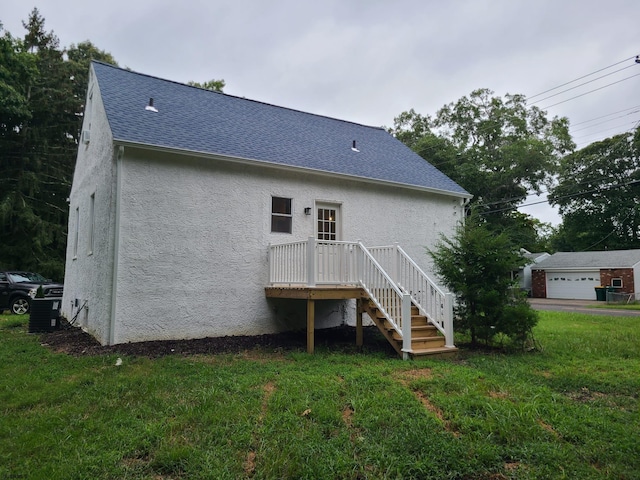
x=574 y=275
x=179 y=192
x=524 y=274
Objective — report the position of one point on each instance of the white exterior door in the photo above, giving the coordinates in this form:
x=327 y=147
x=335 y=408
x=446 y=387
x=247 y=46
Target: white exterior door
x=328 y=229
x=573 y=285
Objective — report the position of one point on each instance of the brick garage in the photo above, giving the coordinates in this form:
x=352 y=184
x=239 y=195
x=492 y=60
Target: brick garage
x=608 y=275
x=575 y=274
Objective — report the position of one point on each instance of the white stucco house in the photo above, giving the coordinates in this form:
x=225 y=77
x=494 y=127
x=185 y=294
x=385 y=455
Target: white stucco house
x=181 y=196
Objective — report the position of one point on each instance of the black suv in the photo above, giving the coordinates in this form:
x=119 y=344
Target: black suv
x=18 y=288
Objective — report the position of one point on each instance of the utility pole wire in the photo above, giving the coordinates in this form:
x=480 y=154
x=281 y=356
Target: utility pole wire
x=590 y=91
x=610 y=187
x=582 y=84
x=584 y=76
x=605 y=121
x=607 y=115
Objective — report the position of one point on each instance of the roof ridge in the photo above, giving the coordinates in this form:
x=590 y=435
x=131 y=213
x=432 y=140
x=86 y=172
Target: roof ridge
x=236 y=97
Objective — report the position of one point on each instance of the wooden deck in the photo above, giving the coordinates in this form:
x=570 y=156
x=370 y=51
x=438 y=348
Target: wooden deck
x=327 y=292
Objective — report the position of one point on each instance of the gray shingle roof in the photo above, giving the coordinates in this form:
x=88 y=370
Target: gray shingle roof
x=197 y=120
x=534 y=256
x=604 y=259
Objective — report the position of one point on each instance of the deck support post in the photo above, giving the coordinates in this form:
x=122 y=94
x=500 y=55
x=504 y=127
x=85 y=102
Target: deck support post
x=359 y=332
x=406 y=325
x=448 y=320
x=310 y=324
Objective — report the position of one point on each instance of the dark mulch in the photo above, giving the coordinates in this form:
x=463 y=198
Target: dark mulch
x=74 y=341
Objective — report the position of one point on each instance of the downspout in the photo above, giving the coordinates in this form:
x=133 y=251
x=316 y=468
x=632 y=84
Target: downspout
x=116 y=245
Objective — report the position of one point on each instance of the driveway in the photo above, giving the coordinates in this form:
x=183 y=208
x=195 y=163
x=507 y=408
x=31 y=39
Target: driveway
x=579 y=306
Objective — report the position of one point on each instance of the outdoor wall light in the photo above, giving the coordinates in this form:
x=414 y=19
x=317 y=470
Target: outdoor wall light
x=307 y=211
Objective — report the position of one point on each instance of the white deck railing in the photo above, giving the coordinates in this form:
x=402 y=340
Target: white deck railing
x=389 y=276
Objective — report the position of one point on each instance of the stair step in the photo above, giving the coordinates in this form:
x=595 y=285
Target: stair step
x=419 y=336
x=433 y=351
x=424 y=330
x=419 y=320
x=425 y=337
x=427 y=342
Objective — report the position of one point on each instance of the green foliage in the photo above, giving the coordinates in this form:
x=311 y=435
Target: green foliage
x=568 y=411
x=213 y=85
x=477 y=265
x=40 y=292
x=42 y=91
x=598 y=195
x=498 y=149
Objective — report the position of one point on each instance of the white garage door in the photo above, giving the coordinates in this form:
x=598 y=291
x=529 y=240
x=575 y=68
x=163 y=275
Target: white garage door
x=578 y=285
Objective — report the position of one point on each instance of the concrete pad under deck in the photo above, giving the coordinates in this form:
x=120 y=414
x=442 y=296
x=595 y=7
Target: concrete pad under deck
x=322 y=292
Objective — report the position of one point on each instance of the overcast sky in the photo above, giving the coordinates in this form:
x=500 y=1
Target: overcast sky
x=369 y=60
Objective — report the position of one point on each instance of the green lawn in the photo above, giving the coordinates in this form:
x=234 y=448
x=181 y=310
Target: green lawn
x=570 y=411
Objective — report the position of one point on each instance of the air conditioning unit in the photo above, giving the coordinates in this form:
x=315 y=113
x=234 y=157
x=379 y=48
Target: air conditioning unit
x=86 y=136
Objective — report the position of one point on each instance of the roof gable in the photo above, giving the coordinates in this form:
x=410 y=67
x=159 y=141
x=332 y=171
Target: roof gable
x=582 y=260
x=211 y=123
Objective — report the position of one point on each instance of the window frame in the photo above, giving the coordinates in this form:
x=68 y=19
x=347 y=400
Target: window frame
x=77 y=234
x=617 y=279
x=281 y=217
x=92 y=222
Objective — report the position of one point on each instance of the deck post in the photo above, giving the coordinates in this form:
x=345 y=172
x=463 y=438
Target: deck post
x=270 y=260
x=310 y=324
x=359 y=262
x=311 y=262
x=395 y=262
x=406 y=326
x=448 y=320
x=359 y=333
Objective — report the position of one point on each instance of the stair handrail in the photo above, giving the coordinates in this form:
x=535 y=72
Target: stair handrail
x=387 y=296
x=432 y=301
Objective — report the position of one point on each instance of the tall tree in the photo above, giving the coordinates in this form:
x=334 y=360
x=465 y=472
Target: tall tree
x=598 y=195
x=498 y=149
x=40 y=121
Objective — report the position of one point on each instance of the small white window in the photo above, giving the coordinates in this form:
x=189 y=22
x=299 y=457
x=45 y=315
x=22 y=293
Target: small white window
x=616 y=282
x=92 y=222
x=75 y=241
x=281 y=217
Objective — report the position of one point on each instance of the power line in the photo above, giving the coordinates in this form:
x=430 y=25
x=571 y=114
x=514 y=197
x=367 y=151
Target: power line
x=606 y=121
x=582 y=84
x=605 y=130
x=607 y=115
x=580 y=78
x=610 y=187
x=582 y=145
x=591 y=91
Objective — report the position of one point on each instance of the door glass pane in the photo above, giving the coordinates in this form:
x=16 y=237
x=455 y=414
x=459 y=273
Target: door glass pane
x=327 y=224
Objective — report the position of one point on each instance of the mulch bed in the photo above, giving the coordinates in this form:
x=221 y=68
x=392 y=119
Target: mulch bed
x=74 y=341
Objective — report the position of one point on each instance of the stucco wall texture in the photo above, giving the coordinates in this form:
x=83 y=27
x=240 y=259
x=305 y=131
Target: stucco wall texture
x=89 y=271
x=194 y=236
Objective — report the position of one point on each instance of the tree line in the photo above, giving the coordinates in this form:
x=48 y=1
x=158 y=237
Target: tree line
x=42 y=94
